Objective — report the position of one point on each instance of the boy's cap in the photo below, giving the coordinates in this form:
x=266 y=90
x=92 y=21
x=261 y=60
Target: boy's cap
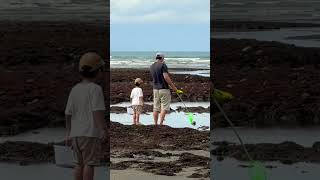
x=160 y=55
x=92 y=60
x=138 y=80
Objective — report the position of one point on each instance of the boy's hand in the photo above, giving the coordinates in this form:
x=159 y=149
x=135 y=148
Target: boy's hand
x=104 y=135
x=67 y=140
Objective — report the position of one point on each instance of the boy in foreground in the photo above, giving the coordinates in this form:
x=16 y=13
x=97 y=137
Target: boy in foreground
x=85 y=123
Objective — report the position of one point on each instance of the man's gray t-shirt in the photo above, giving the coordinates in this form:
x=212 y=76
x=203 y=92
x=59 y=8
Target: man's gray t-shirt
x=157 y=69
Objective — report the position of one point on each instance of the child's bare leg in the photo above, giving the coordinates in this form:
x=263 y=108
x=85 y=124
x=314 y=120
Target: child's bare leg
x=88 y=172
x=134 y=118
x=78 y=172
x=138 y=118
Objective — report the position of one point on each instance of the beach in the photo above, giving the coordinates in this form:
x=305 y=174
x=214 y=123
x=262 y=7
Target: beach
x=177 y=150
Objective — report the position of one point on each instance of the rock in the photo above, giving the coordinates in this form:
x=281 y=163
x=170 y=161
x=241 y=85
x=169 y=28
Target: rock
x=243 y=80
x=30 y=81
x=230 y=85
x=33 y=101
x=259 y=52
x=2 y=93
x=316 y=146
x=246 y=49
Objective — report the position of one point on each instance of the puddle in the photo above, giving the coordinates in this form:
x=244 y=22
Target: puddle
x=221 y=170
x=175 y=120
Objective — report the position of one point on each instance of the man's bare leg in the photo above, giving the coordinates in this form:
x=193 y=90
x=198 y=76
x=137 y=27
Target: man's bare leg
x=155 y=117
x=78 y=172
x=88 y=172
x=162 y=116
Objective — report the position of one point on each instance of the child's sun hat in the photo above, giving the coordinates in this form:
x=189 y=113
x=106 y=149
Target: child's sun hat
x=138 y=80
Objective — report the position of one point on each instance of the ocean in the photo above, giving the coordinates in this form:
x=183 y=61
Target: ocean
x=174 y=59
x=54 y=10
x=303 y=11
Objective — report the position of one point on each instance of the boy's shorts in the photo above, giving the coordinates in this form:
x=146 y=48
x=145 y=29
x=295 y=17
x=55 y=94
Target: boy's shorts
x=161 y=99
x=137 y=109
x=87 y=150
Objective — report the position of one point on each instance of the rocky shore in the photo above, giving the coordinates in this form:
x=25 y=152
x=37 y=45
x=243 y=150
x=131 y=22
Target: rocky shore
x=38 y=68
x=286 y=152
x=122 y=84
x=274 y=84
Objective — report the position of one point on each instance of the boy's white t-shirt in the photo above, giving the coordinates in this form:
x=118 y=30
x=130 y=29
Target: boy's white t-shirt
x=83 y=99
x=136 y=93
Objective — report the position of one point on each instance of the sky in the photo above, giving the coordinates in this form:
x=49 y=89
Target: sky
x=160 y=25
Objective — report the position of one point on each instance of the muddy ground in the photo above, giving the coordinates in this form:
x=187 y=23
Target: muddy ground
x=274 y=84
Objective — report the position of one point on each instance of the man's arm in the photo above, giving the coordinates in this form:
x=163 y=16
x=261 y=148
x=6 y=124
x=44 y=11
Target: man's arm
x=169 y=81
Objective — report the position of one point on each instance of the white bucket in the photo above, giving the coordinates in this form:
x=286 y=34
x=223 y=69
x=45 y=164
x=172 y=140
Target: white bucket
x=63 y=156
x=130 y=110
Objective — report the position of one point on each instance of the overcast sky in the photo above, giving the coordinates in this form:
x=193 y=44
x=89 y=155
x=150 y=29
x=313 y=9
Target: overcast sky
x=160 y=25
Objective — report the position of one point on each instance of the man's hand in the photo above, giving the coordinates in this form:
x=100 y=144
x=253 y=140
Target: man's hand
x=178 y=91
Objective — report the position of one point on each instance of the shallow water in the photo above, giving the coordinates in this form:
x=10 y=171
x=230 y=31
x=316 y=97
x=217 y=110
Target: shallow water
x=302 y=136
x=204 y=73
x=281 y=35
x=175 y=119
x=299 y=171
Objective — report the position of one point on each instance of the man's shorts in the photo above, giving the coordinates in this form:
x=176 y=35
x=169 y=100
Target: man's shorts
x=137 y=109
x=87 y=150
x=161 y=99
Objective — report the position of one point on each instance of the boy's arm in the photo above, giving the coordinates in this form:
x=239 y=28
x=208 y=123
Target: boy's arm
x=141 y=99
x=68 y=127
x=68 y=123
x=98 y=117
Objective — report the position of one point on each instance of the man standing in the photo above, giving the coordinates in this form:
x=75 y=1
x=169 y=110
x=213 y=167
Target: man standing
x=161 y=91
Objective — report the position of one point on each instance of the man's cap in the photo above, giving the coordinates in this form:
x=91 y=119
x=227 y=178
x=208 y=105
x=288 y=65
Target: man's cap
x=90 y=60
x=160 y=55
x=138 y=80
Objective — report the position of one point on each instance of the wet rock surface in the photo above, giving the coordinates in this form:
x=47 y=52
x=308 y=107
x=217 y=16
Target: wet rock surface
x=140 y=148
x=286 y=152
x=160 y=137
x=274 y=84
x=170 y=168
